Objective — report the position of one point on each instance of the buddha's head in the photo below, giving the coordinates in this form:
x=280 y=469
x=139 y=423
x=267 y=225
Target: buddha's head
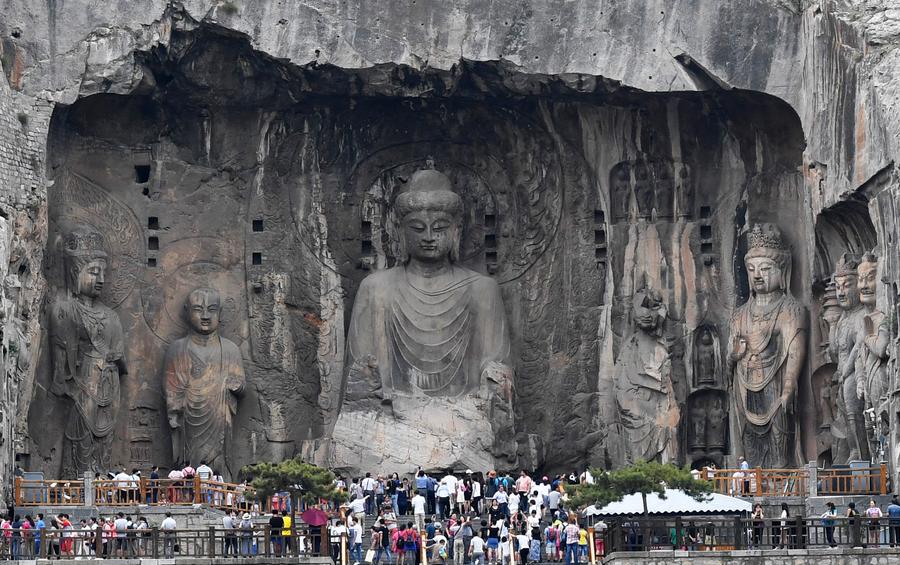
x=649 y=310
x=846 y=288
x=767 y=260
x=202 y=309
x=868 y=279
x=85 y=262
x=430 y=216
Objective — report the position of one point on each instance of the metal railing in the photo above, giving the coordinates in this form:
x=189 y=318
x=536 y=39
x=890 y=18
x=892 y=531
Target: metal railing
x=163 y=544
x=721 y=534
x=802 y=481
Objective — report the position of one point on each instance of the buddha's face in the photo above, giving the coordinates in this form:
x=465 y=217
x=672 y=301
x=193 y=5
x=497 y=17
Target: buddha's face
x=868 y=282
x=765 y=275
x=91 y=278
x=203 y=312
x=846 y=290
x=649 y=310
x=429 y=235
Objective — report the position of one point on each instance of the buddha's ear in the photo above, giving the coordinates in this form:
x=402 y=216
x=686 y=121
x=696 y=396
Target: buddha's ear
x=455 y=232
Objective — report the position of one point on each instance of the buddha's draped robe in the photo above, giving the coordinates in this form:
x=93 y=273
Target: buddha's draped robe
x=769 y=433
x=90 y=347
x=201 y=383
x=433 y=342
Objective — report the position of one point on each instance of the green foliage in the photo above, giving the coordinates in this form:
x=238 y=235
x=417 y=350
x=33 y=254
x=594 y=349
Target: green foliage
x=301 y=479
x=643 y=477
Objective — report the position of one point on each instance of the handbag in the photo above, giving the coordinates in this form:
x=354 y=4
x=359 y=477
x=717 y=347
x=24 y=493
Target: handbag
x=370 y=556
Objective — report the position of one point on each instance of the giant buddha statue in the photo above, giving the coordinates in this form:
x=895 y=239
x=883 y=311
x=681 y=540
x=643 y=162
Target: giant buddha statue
x=768 y=352
x=428 y=377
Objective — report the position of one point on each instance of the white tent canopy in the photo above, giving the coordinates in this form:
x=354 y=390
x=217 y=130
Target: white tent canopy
x=676 y=502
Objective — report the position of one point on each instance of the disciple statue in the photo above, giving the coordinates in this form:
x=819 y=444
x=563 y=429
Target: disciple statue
x=204 y=374
x=768 y=352
x=706 y=358
x=873 y=339
x=88 y=355
x=648 y=412
x=848 y=428
x=428 y=340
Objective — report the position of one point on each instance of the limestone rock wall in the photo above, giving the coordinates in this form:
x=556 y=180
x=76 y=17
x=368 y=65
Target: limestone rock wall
x=833 y=62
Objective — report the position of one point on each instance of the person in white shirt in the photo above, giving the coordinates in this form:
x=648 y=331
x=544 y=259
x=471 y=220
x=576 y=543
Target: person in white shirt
x=357 y=508
x=443 y=500
x=368 y=485
x=123 y=482
x=354 y=534
x=168 y=527
x=418 y=504
x=476 y=550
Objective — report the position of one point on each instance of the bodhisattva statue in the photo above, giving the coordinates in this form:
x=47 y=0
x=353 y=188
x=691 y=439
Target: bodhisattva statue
x=873 y=339
x=88 y=355
x=768 y=352
x=848 y=428
x=204 y=374
x=645 y=399
x=428 y=342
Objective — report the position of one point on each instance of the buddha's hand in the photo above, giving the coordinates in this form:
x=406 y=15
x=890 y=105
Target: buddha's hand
x=175 y=420
x=738 y=348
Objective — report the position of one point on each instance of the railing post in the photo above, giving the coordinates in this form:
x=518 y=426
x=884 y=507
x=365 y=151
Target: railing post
x=799 y=533
x=813 y=477
x=18 y=495
x=883 y=482
x=758 y=481
x=142 y=485
x=196 y=489
x=592 y=556
x=266 y=540
x=324 y=541
x=211 y=550
x=679 y=532
x=423 y=553
x=154 y=539
x=738 y=533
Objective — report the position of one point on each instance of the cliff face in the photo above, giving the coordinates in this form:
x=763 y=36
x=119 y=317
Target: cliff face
x=211 y=116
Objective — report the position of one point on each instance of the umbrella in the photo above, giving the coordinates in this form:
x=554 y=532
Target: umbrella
x=314 y=517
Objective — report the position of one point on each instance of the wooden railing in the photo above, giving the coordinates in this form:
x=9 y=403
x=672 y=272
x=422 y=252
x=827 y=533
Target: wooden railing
x=796 y=482
x=867 y=480
x=153 y=492
x=758 y=482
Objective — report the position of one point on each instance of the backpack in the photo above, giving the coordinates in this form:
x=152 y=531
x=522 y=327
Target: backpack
x=551 y=534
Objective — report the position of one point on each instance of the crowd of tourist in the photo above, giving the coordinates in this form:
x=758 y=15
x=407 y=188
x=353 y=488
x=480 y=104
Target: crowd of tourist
x=471 y=519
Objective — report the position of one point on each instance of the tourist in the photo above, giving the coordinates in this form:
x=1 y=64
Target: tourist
x=398 y=542
x=51 y=538
x=476 y=550
x=168 y=527
x=39 y=526
x=583 y=544
x=108 y=536
x=744 y=466
x=571 y=534
x=450 y=481
x=229 y=544
x=828 y=522
x=443 y=499
x=287 y=533
x=375 y=546
x=354 y=535
x=523 y=546
x=853 y=525
x=368 y=485
x=67 y=544
x=276 y=525
x=404 y=494
x=523 y=484
x=759 y=524
x=462 y=505
x=783 y=527
x=418 y=506
x=502 y=500
x=153 y=493
x=458 y=552
x=393 y=491
x=873 y=514
x=173 y=492
x=246 y=526
x=121 y=525
x=477 y=492
x=893 y=512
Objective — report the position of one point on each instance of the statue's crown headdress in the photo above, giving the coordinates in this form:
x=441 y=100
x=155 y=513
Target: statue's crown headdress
x=764 y=240
x=83 y=241
x=846 y=265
